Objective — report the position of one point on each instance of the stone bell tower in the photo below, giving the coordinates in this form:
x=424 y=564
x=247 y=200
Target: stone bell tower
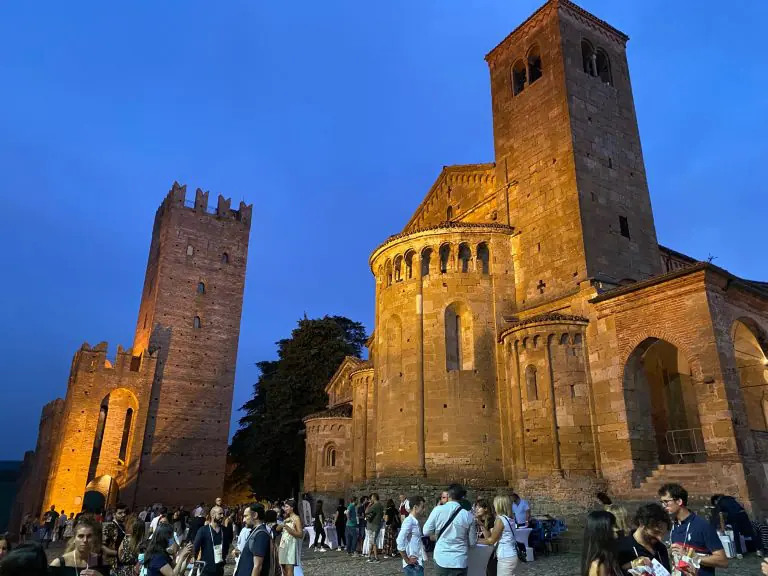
x=568 y=158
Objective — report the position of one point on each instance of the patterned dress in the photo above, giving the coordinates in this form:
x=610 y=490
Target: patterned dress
x=126 y=559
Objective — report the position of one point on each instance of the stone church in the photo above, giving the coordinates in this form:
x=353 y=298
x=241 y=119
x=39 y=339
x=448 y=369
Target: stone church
x=150 y=424
x=530 y=331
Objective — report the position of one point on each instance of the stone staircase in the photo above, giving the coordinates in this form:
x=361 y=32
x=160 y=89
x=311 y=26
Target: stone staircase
x=695 y=478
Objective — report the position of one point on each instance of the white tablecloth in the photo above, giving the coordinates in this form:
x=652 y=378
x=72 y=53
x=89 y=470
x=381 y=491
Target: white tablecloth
x=522 y=535
x=477 y=561
x=331 y=537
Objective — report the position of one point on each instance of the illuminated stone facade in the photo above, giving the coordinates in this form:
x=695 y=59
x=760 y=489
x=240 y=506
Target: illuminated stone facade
x=151 y=424
x=530 y=331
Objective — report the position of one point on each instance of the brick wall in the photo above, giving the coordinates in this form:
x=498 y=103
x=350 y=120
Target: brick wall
x=195 y=270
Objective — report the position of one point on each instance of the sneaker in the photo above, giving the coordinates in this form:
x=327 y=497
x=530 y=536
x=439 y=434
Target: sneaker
x=369 y=561
x=323 y=550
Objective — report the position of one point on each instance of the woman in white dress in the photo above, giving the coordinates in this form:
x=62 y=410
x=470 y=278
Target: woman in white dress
x=292 y=538
x=503 y=536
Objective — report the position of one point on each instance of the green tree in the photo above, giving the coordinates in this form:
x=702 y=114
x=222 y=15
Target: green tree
x=268 y=448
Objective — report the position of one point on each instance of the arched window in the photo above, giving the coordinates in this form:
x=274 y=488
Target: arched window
x=588 y=58
x=426 y=256
x=190 y=250
x=534 y=65
x=531 y=385
x=225 y=258
x=465 y=257
x=398 y=268
x=449 y=213
x=445 y=254
x=564 y=339
x=409 y=264
x=330 y=456
x=519 y=78
x=577 y=339
x=197 y=324
x=483 y=258
x=603 y=67
x=459 y=343
x=388 y=272
x=201 y=287
x=126 y=436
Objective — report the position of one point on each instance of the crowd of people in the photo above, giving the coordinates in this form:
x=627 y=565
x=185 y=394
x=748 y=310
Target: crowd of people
x=265 y=539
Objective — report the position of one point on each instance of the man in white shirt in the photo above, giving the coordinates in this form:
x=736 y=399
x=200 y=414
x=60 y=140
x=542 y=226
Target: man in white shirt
x=521 y=510
x=409 y=542
x=455 y=533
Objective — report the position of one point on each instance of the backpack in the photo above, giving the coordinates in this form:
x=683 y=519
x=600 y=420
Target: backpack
x=274 y=559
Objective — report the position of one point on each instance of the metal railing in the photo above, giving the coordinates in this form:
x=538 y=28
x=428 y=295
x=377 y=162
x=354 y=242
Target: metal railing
x=685 y=442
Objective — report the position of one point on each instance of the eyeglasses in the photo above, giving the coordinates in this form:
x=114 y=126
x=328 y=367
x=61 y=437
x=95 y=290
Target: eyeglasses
x=666 y=501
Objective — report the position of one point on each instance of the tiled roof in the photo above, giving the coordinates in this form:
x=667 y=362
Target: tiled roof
x=340 y=411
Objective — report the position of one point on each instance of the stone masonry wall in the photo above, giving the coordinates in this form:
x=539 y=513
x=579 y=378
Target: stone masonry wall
x=192 y=303
x=92 y=380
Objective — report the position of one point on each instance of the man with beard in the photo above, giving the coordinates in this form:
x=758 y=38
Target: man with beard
x=212 y=545
x=645 y=544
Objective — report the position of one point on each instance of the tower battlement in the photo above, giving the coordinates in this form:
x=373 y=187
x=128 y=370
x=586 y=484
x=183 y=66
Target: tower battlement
x=96 y=358
x=177 y=198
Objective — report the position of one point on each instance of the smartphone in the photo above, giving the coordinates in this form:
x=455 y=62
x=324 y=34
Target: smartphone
x=196 y=568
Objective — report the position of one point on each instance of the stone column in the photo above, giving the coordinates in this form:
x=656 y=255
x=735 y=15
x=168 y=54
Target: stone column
x=420 y=447
x=555 y=433
x=522 y=466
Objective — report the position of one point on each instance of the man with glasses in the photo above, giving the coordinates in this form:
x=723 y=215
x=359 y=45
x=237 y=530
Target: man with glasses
x=692 y=531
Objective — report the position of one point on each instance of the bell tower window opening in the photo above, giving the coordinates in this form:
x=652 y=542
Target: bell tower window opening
x=534 y=64
x=603 y=67
x=449 y=213
x=588 y=58
x=201 y=287
x=196 y=323
x=225 y=258
x=190 y=250
x=519 y=77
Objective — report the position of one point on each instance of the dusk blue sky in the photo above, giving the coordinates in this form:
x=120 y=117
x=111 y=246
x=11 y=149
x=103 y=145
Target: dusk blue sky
x=333 y=118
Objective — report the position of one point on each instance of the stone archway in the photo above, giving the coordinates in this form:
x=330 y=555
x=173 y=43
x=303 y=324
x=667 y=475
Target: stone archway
x=662 y=405
x=750 y=348
x=101 y=493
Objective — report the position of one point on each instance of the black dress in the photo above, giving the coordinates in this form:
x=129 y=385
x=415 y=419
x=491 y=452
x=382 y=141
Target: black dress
x=101 y=567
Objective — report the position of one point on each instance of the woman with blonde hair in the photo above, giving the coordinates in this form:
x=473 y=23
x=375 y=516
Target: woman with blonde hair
x=502 y=535
x=84 y=550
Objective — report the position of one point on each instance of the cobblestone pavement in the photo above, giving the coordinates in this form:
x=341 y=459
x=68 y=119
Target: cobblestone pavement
x=564 y=564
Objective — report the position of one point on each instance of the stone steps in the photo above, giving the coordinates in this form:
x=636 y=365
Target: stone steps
x=695 y=478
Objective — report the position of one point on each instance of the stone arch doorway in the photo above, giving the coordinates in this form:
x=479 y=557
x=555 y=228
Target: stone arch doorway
x=112 y=441
x=662 y=405
x=101 y=493
x=750 y=349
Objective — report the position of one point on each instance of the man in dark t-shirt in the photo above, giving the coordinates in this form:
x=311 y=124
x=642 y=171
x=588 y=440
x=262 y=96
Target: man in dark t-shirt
x=645 y=545
x=374 y=514
x=257 y=549
x=212 y=544
x=50 y=522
